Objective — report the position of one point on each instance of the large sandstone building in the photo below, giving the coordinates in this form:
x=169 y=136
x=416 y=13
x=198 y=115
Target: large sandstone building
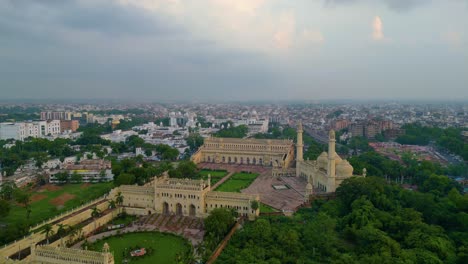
x=183 y=197
x=264 y=152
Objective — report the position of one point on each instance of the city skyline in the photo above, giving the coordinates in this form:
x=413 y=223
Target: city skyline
x=169 y=50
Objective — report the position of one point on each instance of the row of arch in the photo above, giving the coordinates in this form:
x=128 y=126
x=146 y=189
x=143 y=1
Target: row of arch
x=241 y=160
x=178 y=209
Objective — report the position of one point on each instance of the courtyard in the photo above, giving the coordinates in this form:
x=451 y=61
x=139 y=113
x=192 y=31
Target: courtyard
x=282 y=199
x=237 y=182
x=162 y=248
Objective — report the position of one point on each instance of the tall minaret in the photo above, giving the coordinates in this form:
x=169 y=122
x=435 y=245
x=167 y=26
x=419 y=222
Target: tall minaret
x=331 y=154
x=300 y=144
x=331 y=173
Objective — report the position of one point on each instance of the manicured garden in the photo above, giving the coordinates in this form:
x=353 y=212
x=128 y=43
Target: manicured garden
x=51 y=200
x=216 y=175
x=161 y=248
x=266 y=208
x=237 y=182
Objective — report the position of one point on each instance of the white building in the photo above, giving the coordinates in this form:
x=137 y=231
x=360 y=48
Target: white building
x=53 y=127
x=11 y=131
x=35 y=129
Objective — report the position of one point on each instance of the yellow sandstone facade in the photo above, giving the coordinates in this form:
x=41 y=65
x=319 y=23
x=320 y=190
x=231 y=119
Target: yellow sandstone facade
x=183 y=197
x=265 y=152
x=62 y=255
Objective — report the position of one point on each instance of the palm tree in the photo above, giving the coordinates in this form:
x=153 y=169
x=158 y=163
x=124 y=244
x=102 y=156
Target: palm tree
x=73 y=231
x=48 y=231
x=119 y=199
x=112 y=204
x=95 y=214
x=61 y=232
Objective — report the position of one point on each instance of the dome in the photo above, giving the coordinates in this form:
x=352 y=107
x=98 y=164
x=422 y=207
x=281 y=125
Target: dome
x=309 y=186
x=344 y=169
x=322 y=161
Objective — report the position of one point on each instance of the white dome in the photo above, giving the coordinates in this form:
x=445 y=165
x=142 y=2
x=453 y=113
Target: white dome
x=322 y=161
x=344 y=169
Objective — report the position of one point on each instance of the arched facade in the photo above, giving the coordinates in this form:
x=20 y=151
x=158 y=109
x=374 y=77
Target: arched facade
x=184 y=197
x=262 y=152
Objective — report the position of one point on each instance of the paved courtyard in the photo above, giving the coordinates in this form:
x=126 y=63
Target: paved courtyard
x=287 y=199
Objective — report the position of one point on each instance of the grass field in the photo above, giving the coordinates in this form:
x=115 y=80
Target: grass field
x=266 y=208
x=216 y=175
x=50 y=200
x=165 y=246
x=237 y=182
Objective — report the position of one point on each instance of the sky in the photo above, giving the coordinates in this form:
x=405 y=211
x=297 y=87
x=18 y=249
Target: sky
x=230 y=50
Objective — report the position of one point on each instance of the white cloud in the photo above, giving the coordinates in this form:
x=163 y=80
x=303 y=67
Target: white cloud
x=377 y=27
x=249 y=25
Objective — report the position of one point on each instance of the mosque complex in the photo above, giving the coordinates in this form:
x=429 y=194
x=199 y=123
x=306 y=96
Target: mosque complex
x=297 y=179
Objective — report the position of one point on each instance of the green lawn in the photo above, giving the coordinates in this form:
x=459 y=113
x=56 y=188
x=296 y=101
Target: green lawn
x=216 y=175
x=165 y=246
x=237 y=182
x=44 y=208
x=266 y=208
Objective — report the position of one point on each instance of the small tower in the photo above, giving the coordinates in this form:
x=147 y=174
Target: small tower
x=364 y=172
x=105 y=248
x=308 y=192
x=300 y=144
x=209 y=181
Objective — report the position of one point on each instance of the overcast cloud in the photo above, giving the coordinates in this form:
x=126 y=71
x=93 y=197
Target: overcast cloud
x=234 y=49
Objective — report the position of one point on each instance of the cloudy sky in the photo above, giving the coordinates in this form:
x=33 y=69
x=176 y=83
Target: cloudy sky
x=234 y=49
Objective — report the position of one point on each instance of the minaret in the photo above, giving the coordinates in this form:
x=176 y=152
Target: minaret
x=300 y=144
x=331 y=173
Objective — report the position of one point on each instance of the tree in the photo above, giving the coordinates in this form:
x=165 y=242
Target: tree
x=439 y=185
x=95 y=213
x=219 y=222
x=119 y=199
x=62 y=177
x=8 y=190
x=194 y=140
x=185 y=169
x=125 y=179
x=24 y=198
x=40 y=158
x=112 y=204
x=48 y=231
x=254 y=205
x=76 y=178
x=4 y=208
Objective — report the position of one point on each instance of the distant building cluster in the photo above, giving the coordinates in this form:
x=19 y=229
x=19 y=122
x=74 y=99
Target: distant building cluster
x=82 y=117
x=370 y=128
x=91 y=170
x=35 y=129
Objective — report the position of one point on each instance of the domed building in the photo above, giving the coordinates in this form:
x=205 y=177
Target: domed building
x=327 y=172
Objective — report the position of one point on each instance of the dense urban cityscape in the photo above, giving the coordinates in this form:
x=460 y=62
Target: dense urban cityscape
x=233 y=132
x=51 y=151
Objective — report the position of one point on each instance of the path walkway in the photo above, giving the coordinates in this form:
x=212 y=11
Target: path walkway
x=225 y=178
